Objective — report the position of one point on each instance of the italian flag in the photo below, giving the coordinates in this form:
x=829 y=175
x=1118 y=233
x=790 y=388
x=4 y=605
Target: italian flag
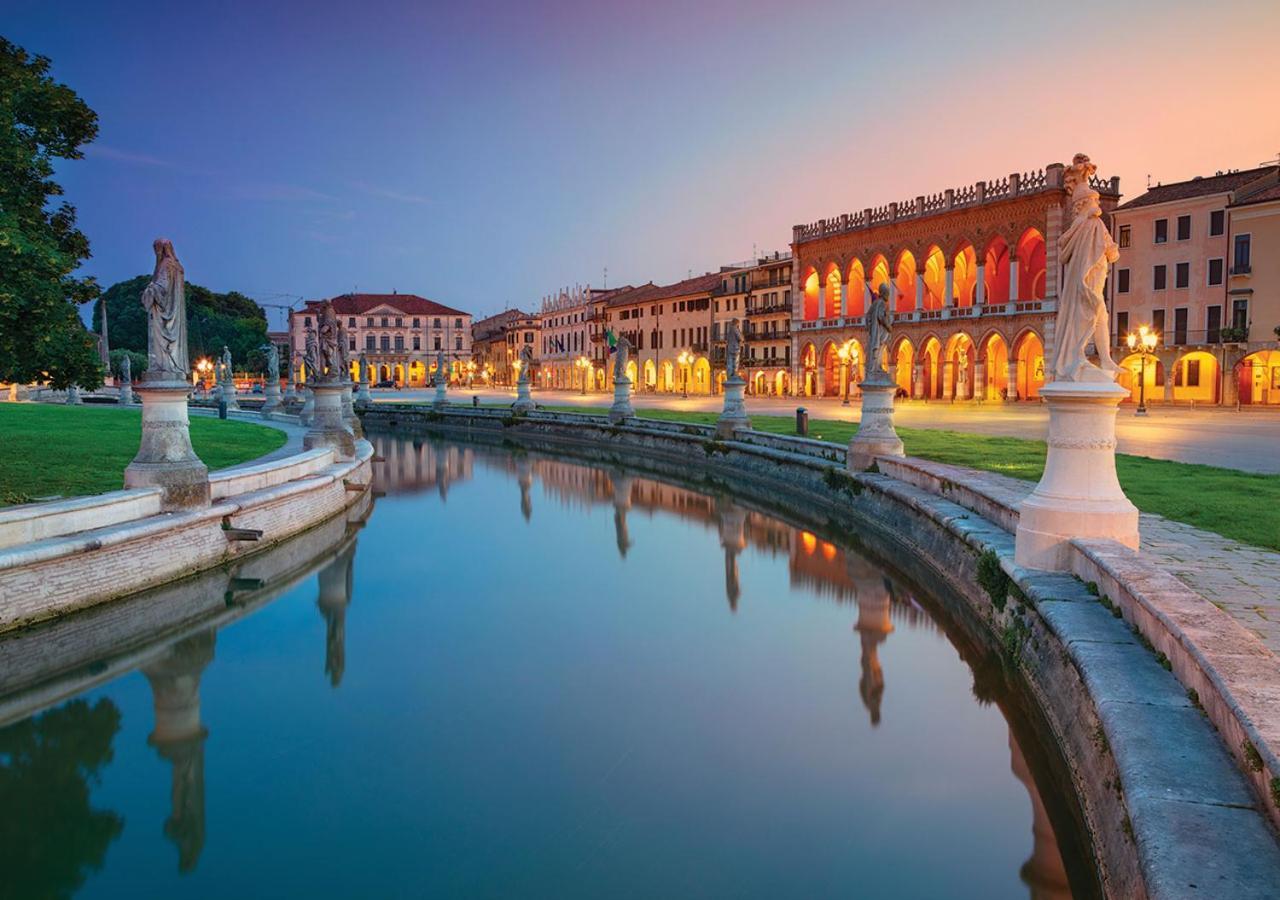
x=612 y=339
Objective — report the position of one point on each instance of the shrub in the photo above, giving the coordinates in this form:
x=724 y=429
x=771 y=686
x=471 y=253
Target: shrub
x=993 y=578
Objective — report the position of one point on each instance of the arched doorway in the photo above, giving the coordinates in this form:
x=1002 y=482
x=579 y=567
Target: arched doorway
x=811 y=295
x=631 y=374
x=650 y=375
x=782 y=384
x=809 y=364
x=855 y=301
x=417 y=373
x=758 y=384
x=904 y=357
x=929 y=385
x=904 y=280
x=1258 y=378
x=830 y=380
x=995 y=367
x=1133 y=374
x=935 y=279
x=1195 y=378
x=1031 y=266
x=701 y=376
x=384 y=373
x=1028 y=353
x=833 y=298
x=995 y=272
x=964 y=278
x=668 y=380
x=958 y=372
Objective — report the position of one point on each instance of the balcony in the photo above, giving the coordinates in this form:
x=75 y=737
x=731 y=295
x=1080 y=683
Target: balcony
x=769 y=309
x=1241 y=269
x=764 y=334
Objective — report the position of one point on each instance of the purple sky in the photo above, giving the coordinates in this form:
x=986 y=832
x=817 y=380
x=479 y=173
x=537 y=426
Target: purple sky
x=485 y=153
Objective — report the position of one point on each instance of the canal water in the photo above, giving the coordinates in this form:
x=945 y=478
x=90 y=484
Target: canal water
x=519 y=676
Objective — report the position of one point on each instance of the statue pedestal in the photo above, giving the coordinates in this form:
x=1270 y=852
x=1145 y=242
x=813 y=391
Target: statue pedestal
x=308 y=411
x=328 y=426
x=271 y=401
x=348 y=410
x=524 y=402
x=875 y=435
x=290 y=392
x=1079 y=494
x=229 y=394
x=621 y=408
x=734 y=418
x=363 y=397
x=125 y=397
x=165 y=458
x=441 y=400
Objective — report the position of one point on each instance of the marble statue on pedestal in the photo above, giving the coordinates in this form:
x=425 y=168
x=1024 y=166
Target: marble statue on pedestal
x=879 y=333
x=621 y=354
x=734 y=415
x=1085 y=250
x=165 y=456
x=732 y=349
x=329 y=425
x=164 y=299
x=126 y=379
x=329 y=364
x=311 y=356
x=524 y=401
x=273 y=362
x=1079 y=495
x=621 y=408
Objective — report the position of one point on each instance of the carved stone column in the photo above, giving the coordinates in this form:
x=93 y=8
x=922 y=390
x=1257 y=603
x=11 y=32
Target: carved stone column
x=621 y=408
x=875 y=435
x=328 y=425
x=734 y=417
x=165 y=457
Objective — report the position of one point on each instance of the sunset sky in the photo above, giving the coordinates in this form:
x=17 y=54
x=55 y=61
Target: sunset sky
x=485 y=153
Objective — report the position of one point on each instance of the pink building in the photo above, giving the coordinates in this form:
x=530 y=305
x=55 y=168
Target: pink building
x=1174 y=275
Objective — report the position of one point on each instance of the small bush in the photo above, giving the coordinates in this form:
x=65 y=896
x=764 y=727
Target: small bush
x=842 y=481
x=1252 y=758
x=993 y=578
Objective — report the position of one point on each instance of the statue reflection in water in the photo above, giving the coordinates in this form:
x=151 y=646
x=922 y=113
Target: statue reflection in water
x=179 y=737
x=335 y=596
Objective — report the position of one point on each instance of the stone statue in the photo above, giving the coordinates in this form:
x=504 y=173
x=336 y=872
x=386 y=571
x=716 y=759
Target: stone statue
x=879 y=333
x=329 y=365
x=732 y=349
x=963 y=375
x=621 y=352
x=441 y=375
x=164 y=299
x=311 y=355
x=1085 y=251
x=344 y=352
x=526 y=363
x=126 y=369
x=225 y=372
x=364 y=368
x=273 y=362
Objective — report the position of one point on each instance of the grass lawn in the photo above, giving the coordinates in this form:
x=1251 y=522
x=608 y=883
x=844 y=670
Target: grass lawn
x=72 y=451
x=1238 y=505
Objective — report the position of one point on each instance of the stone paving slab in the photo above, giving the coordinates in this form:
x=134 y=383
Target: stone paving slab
x=1241 y=580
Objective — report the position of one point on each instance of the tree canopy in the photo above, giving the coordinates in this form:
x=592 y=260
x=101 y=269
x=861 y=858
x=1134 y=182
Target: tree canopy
x=213 y=320
x=41 y=335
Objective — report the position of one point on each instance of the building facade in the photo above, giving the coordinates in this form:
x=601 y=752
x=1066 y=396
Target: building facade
x=400 y=336
x=972 y=275
x=1186 y=272
x=758 y=294
x=496 y=342
x=669 y=327
x=564 y=341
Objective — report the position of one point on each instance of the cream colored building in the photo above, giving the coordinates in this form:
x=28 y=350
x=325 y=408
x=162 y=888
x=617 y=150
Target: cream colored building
x=758 y=294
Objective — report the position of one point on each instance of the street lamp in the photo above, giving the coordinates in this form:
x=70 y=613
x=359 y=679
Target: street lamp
x=202 y=367
x=685 y=358
x=1146 y=339
x=583 y=365
x=848 y=354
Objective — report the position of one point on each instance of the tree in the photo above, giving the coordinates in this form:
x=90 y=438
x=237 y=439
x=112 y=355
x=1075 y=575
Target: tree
x=213 y=320
x=41 y=336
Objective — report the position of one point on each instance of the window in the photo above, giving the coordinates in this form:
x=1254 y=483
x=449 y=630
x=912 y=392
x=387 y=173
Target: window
x=1162 y=231
x=1240 y=313
x=351 y=344
x=1157 y=323
x=399 y=322
x=1125 y=232
x=1182 y=275
x=384 y=321
x=1193 y=373
x=417 y=323
x=528 y=337
x=437 y=343
x=386 y=344
x=399 y=342
x=1213 y=324
x=369 y=342
x=417 y=342
x=457 y=323
x=368 y=322
x=1217 y=222
x=457 y=342
x=1184 y=228
x=1215 y=270
x=1159 y=275
x=1122 y=281
x=436 y=324
x=351 y=322
x=306 y=320
x=1180 y=325
x=1240 y=260
x=1122 y=325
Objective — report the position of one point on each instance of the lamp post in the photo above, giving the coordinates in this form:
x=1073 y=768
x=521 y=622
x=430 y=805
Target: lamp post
x=1146 y=340
x=202 y=372
x=685 y=358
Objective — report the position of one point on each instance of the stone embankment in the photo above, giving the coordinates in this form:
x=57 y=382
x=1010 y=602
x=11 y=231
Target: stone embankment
x=65 y=555
x=1163 y=709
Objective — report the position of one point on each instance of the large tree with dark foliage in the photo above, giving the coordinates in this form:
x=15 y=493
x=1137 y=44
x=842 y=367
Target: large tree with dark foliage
x=213 y=320
x=41 y=335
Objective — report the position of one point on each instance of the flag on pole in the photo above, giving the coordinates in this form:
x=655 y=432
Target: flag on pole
x=612 y=339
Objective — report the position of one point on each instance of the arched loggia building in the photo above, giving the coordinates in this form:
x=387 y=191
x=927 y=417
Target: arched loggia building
x=973 y=286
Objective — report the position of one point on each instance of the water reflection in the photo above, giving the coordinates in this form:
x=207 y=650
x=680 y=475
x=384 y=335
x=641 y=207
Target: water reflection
x=52 y=748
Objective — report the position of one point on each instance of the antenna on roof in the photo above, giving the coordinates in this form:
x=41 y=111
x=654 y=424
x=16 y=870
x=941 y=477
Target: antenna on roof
x=1148 y=181
x=606 y=277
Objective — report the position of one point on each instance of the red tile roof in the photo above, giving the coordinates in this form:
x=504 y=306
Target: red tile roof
x=1197 y=187
x=1261 y=196
x=412 y=304
x=645 y=293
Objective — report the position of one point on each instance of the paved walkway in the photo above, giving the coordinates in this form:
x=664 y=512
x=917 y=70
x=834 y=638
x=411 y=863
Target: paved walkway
x=1215 y=437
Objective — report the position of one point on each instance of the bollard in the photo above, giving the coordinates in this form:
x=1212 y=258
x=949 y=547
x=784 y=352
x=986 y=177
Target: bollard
x=802 y=421
x=222 y=409
x=475 y=401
